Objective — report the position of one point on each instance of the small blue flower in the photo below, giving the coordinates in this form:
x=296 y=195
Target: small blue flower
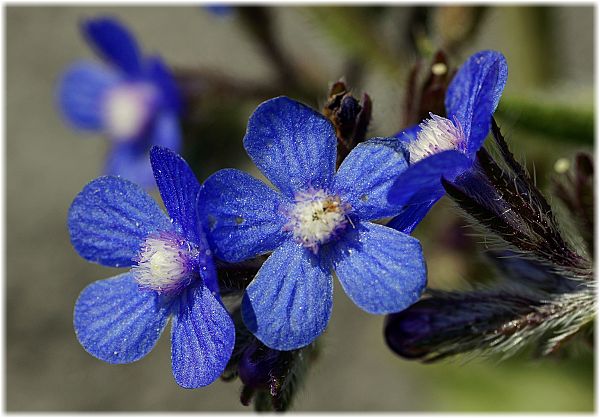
x=220 y=10
x=114 y=223
x=317 y=223
x=131 y=98
x=441 y=147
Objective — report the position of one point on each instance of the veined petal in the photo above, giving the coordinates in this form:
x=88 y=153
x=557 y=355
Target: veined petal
x=243 y=214
x=117 y=322
x=110 y=218
x=382 y=270
x=114 y=43
x=293 y=145
x=131 y=161
x=81 y=92
x=474 y=93
x=202 y=338
x=410 y=216
x=420 y=183
x=288 y=304
x=178 y=188
x=366 y=176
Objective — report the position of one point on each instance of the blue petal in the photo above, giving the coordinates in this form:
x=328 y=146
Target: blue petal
x=420 y=183
x=110 y=218
x=202 y=338
x=294 y=146
x=132 y=162
x=288 y=304
x=114 y=43
x=474 y=93
x=243 y=214
x=117 y=322
x=178 y=188
x=367 y=175
x=163 y=78
x=382 y=270
x=409 y=134
x=166 y=131
x=410 y=216
x=81 y=92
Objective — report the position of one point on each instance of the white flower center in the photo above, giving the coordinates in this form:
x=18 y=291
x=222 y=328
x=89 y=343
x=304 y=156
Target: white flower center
x=316 y=218
x=166 y=263
x=127 y=109
x=436 y=135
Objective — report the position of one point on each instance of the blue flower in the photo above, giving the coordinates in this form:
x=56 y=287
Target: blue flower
x=114 y=223
x=317 y=223
x=219 y=9
x=441 y=147
x=131 y=98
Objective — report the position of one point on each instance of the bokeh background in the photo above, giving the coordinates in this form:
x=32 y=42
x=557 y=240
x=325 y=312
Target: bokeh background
x=546 y=113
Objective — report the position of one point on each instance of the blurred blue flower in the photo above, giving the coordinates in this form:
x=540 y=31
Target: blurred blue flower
x=316 y=223
x=131 y=98
x=440 y=147
x=220 y=9
x=114 y=223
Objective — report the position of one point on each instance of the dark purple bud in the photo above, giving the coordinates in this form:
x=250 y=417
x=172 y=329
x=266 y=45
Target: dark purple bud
x=346 y=116
x=260 y=366
x=449 y=323
x=404 y=330
x=272 y=378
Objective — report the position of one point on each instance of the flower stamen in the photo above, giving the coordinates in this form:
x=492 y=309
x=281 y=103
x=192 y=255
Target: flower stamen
x=437 y=134
x=316 y=218
x=166 y=263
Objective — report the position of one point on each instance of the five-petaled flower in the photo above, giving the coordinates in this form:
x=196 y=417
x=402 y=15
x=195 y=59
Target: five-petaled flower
x=115 y=223
x=131 y=98
x=316 y=223
x=440 y=147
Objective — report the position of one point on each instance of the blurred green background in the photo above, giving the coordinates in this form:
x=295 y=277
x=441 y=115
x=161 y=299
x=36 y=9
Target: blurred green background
x=546 y=113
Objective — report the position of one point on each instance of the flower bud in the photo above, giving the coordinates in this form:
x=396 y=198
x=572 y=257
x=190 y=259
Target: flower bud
x=260 y=366
x=350 y=117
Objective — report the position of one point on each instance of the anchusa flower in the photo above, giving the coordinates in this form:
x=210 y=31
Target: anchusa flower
x=549 y=295
x=446 y=147
x=114 y=223
x=130 y=98
x=272 y=252
x=317 y=221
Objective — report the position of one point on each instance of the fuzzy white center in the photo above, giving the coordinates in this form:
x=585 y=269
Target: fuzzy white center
x=165 y=263
x=436 y=135
x=316 y=218
x=127 y=109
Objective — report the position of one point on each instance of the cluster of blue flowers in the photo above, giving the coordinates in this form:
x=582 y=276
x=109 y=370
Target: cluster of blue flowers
x=315 y=220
